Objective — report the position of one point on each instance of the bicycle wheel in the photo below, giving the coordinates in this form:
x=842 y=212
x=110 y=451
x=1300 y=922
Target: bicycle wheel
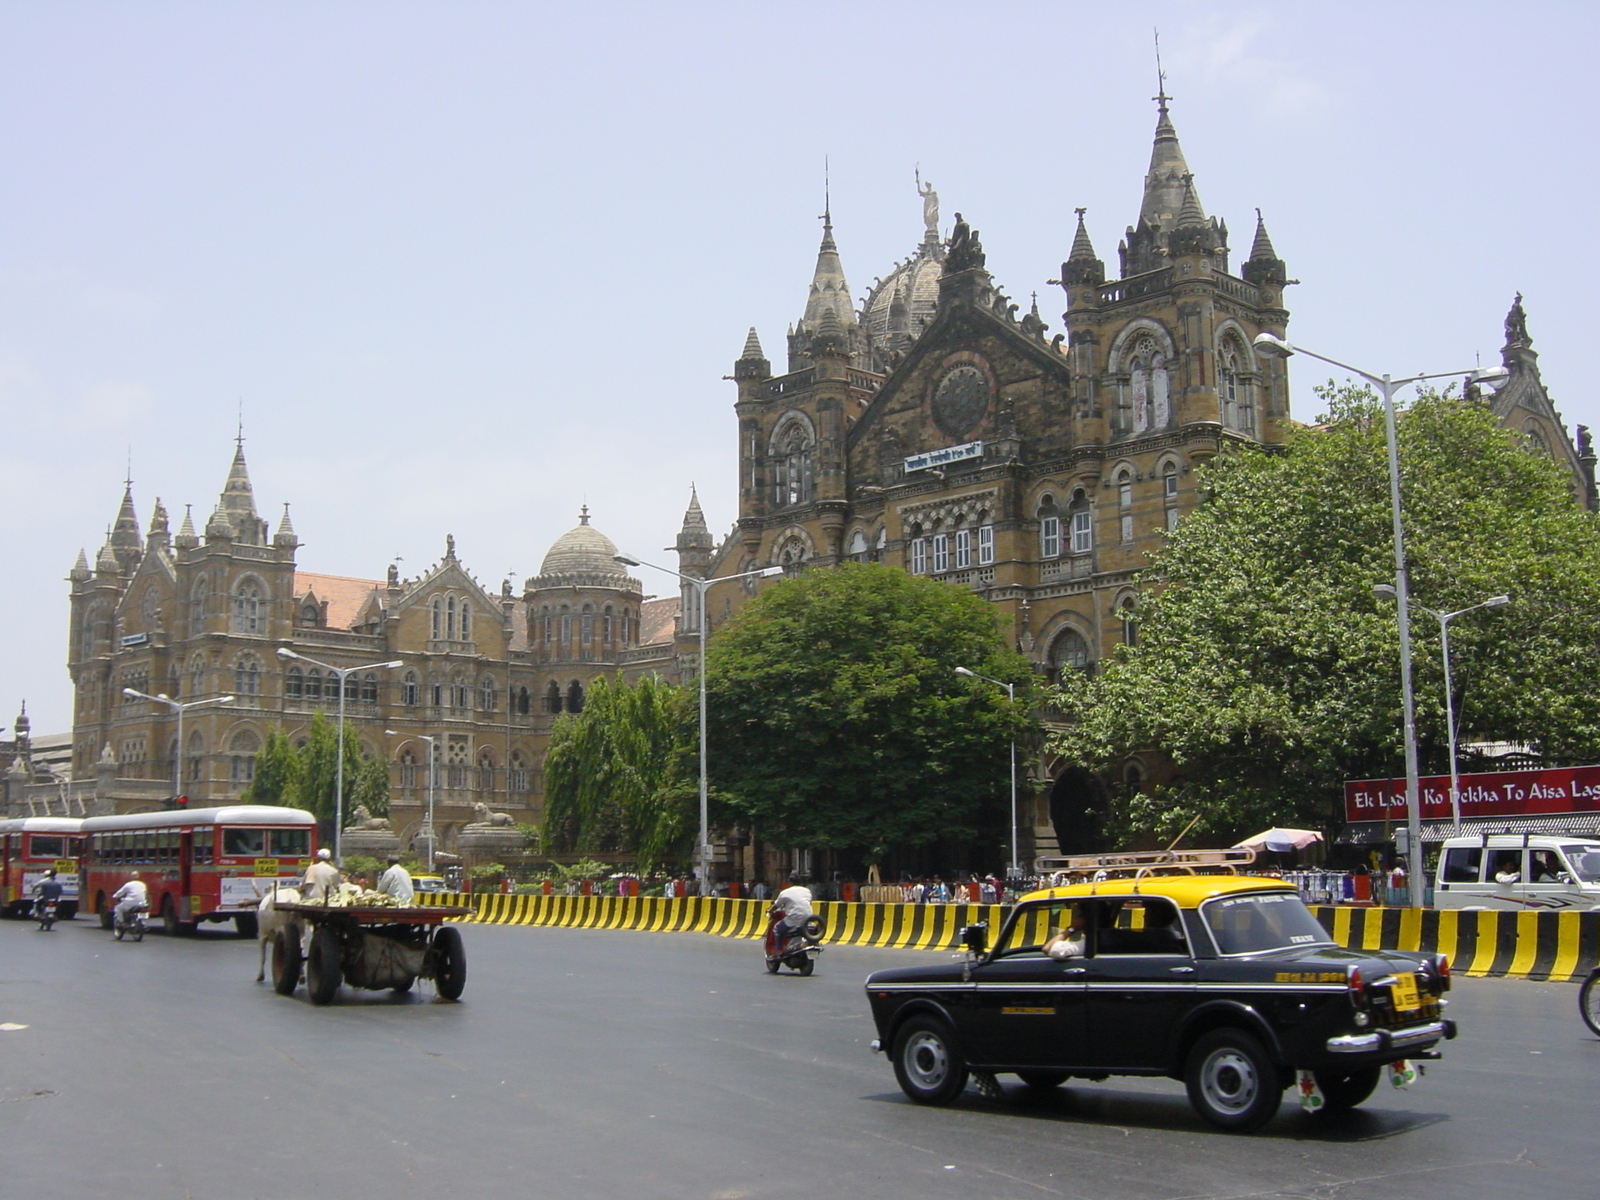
x=1589 y=1002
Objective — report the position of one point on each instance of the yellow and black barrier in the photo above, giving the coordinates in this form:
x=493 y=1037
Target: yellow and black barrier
x=1531 y=945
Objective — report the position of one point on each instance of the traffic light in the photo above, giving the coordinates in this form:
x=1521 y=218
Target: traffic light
x=182 y=802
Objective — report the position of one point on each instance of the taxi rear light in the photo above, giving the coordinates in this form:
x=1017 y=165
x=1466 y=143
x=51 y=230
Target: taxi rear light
x=1442 y=966
x=1357 y=985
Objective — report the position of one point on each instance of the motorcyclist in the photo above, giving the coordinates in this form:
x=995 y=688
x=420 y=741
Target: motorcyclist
x=793 y=906
x=130 y=898
x=47 y=889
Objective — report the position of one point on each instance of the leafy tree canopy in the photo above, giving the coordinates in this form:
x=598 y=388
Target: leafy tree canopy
x=307 y=776
x=620 y=774
x=837 y=718
x=1269 y=672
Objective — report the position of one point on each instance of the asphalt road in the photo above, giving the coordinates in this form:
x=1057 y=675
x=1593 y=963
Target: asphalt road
x=609 y=1064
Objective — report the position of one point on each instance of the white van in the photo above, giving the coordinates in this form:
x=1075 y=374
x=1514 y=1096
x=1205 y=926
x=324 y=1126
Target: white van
x=1519 y=871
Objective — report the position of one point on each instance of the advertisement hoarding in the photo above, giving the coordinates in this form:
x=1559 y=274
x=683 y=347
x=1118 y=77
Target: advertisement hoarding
x=1551 y=792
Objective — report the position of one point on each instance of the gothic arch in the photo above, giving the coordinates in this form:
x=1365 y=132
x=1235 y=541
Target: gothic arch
x=1142 y=360
x=251 y=600
x=792 y=452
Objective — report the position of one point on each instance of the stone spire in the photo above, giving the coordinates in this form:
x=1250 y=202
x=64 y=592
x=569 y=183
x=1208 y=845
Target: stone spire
x=695 y=535
x=830 y=293
x=219 y=528
x=187 y=538
x=126 y=543
x=80 y=569
x=752 y=362
x=1164 y=182
x=106 y=564
x=285 y=538
x=1264 y=266
x=158 y=538
x=1082 y=267
x=237 y=504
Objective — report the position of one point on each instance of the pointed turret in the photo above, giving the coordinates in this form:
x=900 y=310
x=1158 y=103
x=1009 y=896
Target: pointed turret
x=106 y=564
x=158 y=539
x=219 y=528
x=695 y=535
x=187 y=538
x=1164 y=182
x=1082 y=267
x=237 y=504
x=752 y=362
x=1190 y=233
x=80 y=569
x=125 y=542
x=285 y=538
x=1170 y=201
x=1264 y=267
x=830 y=293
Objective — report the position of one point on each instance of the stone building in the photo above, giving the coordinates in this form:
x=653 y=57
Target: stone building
x=484 y=675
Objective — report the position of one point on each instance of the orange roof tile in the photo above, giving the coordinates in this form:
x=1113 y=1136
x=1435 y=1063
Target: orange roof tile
x=344 y=596
x=657 y=619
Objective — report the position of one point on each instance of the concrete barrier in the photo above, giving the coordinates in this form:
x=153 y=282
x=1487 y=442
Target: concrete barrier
x=1530 y=945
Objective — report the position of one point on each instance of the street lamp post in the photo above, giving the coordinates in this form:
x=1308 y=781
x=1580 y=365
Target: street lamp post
x=1385 y=592
x=703 y=850
x=1011 y=697
x=338 y=787
x=1276 y=347
x=424 y=737
x=178 y=707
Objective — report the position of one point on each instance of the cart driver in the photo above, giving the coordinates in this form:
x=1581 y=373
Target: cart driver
x=396 y=882
x=321 y=880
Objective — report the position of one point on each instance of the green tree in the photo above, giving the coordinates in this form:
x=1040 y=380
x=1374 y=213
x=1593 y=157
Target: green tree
x=618 y=774
x=837 y=719
x=277 y=775
x=1267 y=670
x=371 y=786
x=317 y=787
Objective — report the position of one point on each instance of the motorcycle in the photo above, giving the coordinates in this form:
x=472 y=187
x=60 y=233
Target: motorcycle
x=799 y=950
x=44 y=911
x=131 y=925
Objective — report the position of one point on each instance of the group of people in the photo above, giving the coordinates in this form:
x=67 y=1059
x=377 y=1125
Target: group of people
x=322 y=880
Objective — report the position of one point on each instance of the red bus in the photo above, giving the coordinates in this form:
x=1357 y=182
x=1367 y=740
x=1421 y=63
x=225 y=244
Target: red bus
x=202 y=864
x=29 y=846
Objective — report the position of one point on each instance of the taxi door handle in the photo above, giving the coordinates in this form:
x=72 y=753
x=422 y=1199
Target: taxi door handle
x=1181 y=970
x=1076 y=971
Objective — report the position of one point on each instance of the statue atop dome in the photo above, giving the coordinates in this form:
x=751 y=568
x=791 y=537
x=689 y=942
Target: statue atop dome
x=930 y=205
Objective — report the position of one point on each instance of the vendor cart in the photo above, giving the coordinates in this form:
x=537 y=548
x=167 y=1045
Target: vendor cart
x=368 y=946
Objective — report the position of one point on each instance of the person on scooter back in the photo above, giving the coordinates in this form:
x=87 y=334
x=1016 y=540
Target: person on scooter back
x=131 y=897
x=47 y=889
x=793 y=904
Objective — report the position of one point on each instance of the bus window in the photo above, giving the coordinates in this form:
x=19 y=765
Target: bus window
x=169 y=848
x=47 y=846
x=291 y=843
x=244 y=843
x=203 y=840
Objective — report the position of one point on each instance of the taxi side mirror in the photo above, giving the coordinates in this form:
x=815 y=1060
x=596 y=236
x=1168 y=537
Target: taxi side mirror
x=976 y=937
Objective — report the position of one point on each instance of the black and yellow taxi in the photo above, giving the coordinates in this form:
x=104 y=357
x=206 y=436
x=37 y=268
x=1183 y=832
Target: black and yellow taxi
x=1226 y=982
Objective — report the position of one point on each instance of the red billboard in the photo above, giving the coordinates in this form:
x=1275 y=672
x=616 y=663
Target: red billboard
x=1555 y=791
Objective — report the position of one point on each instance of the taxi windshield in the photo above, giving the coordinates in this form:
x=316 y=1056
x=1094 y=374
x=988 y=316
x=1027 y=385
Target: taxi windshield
x=1585 y=861
x=1255 y=923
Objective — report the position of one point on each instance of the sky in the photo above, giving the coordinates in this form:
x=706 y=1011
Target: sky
x=461 y=268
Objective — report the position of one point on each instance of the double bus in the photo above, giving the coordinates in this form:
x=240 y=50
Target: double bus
x=201 y=864
x=30 y=846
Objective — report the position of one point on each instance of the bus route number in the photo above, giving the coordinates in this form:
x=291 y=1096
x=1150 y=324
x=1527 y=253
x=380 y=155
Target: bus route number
x=266 y=866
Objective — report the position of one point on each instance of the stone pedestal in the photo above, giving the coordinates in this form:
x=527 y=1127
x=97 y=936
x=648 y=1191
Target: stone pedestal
x=488 y=843
x=378 y=843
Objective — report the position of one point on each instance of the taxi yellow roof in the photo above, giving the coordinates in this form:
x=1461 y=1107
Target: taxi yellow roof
x=1187 y=891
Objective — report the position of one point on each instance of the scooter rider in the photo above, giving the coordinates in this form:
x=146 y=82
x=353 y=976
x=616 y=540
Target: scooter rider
x=130 y=898
x=46 y=890
x=793 y=904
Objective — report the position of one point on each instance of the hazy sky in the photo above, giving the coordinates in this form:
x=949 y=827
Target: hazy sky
x=467 y=266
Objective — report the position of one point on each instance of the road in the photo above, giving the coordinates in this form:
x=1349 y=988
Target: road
x=657 y=1066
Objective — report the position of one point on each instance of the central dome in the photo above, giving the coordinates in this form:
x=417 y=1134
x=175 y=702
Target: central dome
x=582 y=557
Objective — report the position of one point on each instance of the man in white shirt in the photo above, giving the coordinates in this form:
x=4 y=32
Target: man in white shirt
x=396 y=882
x=794 y=905
x=131 y=897
x=321 y=880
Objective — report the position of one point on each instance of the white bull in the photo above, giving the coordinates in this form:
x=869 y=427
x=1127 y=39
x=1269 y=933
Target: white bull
x=269 y=920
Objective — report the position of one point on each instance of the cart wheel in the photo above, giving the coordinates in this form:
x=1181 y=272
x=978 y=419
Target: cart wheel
x=322 y=967
x=286 y=960
x=449 y=962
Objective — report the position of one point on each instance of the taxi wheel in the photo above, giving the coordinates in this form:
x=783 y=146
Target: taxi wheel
x=926 y=1063
x=1231 y=1081
x=1343 y=1090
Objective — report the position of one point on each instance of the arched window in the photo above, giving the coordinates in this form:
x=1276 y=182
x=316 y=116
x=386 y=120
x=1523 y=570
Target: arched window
x=1081 y=520
x=485 y=772
x=858 y=546
x=450 y=617
x=1145 y=402
x=918 y=554
x=1049 y=529
x=460 y=693
x=517 y=774
x=294 y=684
x=1125 y=503
x=466 y=621
x=408 y=768
x=552 y=697
x=314 y=684
x=575 y=697
x=792 y=464
x=247 y=676
x=1130 y=627
x=242 y=756
x=95 y=629
x=409 y=691
x=486 y=694
x=310 y=615
x=195 y=756
x=149 y=607
x=1234 y=394
x=199 y=594
x=1069 y=653
x=369 y=688
x=247 y=614
x=522 y=702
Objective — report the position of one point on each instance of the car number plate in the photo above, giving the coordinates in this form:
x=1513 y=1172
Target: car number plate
x=1404 y=992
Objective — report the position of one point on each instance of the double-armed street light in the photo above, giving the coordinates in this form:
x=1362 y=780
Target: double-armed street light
x=703 y=850
x=1384 y=592
x=1276 y=347
x=1011 y=696
x=424 y=737
x=179 y=707
x=338 y=787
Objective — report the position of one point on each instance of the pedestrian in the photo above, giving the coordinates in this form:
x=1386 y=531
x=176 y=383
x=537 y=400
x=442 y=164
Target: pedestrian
x=396 y=882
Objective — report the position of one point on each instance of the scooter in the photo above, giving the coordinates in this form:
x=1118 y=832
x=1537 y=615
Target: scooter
x=132 y=925
x=44 y=910
x=799 y=951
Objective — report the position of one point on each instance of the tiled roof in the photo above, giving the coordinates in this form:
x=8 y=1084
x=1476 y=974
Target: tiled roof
x=657 y=620
x=344 y=596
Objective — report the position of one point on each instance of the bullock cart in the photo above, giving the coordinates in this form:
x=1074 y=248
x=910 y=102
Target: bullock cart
x=373 y=947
